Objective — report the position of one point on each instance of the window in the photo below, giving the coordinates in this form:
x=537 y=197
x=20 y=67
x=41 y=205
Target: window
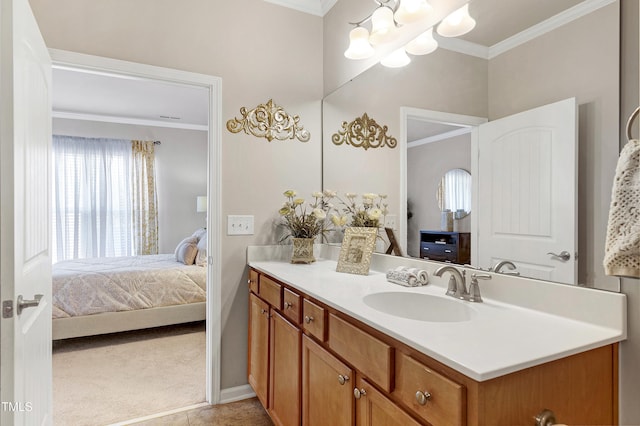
x=92 y=201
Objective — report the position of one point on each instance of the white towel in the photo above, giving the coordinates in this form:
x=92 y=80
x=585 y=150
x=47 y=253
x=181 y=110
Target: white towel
x=622 y=250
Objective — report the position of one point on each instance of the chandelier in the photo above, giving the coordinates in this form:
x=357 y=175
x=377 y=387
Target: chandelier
x=388 y=22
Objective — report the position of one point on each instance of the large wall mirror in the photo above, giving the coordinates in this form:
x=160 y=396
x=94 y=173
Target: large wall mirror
x=521 y=55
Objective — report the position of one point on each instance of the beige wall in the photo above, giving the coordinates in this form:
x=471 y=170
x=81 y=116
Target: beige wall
x=630 y=99
x=181 y=171
x=426 y=165
x=272 y=52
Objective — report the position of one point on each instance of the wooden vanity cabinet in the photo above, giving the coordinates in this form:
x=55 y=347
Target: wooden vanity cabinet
x=327 y=387
x=373 y=408
x=314 y=373
x=284 y=371
x=258 y=357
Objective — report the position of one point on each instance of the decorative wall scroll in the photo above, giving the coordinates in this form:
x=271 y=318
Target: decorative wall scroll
x=269 y=121
x=364 y=132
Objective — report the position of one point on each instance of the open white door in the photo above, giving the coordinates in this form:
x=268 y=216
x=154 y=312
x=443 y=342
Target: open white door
x=25 y=262
x=527 y=192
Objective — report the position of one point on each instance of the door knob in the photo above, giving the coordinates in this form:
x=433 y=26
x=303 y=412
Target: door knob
x=23 y=304
x=564 y=255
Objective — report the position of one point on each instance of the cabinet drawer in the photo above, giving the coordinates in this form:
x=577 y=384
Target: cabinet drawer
x=291 y=305
x=314 y=319
x=253 y=281
x=271 y=291
x=447 y=401
x=366 y=353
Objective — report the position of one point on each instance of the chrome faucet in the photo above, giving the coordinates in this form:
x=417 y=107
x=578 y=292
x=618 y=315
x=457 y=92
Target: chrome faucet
x=509 y=264
x=457 y=281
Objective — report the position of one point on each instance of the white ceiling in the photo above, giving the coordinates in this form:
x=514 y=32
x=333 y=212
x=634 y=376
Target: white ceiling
x=90 y=95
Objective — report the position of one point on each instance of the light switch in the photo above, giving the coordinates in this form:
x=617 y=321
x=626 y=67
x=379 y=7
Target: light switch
x=240 y=225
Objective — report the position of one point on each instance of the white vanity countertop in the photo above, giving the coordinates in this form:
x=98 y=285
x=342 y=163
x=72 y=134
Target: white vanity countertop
x=501 y=338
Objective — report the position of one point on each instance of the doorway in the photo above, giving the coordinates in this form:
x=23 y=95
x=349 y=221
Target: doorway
x=420 y=128
x=212 y=85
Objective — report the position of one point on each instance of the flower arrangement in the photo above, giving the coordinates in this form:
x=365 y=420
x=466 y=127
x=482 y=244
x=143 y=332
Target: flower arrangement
x=305 y=220
x=368 y=214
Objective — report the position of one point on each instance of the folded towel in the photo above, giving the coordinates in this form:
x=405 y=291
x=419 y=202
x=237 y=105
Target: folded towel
x=422 y=275
x=409 y=277
x=622 y=250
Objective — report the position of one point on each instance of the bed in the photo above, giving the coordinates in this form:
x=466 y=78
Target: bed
x=112 y=294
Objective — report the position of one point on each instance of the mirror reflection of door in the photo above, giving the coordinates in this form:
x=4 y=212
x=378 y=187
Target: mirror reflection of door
x=527 y=185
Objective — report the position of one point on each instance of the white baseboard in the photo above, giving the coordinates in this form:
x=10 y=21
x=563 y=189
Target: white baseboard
x=236 y=394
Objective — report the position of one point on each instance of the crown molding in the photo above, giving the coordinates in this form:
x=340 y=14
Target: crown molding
x=557 y=21
x=313 y=7
x=441 y=136
x=127 y=120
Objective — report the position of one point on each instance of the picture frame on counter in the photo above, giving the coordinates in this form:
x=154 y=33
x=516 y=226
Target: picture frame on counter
x=356 y=250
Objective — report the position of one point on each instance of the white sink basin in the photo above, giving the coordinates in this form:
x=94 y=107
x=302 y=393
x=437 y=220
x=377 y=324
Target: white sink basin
x=421 y=307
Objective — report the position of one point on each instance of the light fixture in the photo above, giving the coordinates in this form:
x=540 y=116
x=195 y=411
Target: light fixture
x=383 y=26
x=359 y=47
x=423 y=44
x=201 y=206
x=388 y=21
x=411 y=11
x=396 y=59
x=201 y=203
x=457 y=23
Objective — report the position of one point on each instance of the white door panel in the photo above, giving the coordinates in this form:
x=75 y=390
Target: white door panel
x=527 y=191
x=25 y=262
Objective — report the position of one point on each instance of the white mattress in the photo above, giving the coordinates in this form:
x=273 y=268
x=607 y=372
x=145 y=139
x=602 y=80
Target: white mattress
x=112 y=284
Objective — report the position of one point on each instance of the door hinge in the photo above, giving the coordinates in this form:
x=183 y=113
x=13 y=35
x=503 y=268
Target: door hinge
x=7 y=309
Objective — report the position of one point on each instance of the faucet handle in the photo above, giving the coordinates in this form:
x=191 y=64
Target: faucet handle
x=475 y=277
x=452 y=287
x=474 y=288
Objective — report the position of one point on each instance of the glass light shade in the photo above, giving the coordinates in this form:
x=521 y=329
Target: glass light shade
x=201 y=203
x=423 y=44
x=411 y=11
x=396 y=59
x=383 y=28
x=457 y=23
x=359 y=47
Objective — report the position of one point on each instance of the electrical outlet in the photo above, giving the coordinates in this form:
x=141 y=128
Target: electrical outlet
x=240 y=225
x=391 y=221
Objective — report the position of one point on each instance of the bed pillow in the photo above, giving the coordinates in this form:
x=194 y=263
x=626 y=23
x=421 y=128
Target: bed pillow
x=199 y=233
x=201 y=257
x=187 y=250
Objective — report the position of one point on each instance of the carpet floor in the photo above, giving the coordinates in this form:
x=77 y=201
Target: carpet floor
x=112 y=378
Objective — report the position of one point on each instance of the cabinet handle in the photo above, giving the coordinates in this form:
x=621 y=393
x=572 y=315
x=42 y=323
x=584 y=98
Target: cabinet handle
x=422 y=397
x=342 y=379
x=249 y=281
x=357 y=393
x=447 y=251
x=308 y=319
x=263 y=311
x=288 y=305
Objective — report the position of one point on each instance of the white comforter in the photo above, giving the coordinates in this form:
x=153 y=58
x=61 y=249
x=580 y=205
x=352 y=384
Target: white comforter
x=91 y=286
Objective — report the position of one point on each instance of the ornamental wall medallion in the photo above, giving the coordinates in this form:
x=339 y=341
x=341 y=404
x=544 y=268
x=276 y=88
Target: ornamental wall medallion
x=364 y=132
x=269 y=121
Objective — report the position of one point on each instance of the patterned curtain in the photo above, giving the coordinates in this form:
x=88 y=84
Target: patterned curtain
x=145 y=212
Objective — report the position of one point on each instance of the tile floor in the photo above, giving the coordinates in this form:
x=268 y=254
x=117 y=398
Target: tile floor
x=248 y=412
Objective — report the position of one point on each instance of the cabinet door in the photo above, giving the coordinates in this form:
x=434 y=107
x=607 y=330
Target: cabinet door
x=284 y=377
x=258 y=362
x=374 y=409
x=327 y=383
